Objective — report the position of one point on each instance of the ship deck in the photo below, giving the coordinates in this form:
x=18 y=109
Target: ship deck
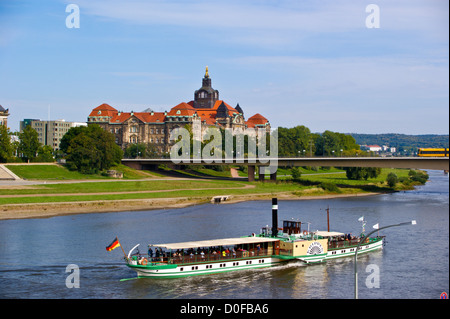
x=216 y=242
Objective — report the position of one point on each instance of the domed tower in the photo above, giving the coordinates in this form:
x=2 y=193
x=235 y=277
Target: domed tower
x=206 y=96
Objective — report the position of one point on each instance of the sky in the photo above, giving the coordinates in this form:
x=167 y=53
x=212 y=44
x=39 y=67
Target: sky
x=327 y=65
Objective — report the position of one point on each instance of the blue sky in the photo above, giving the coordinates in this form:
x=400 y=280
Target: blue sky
x=312 y=63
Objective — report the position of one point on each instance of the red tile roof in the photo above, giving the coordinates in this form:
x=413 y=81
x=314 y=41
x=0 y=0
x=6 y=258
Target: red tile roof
x=182 y=109
x=209 y=115
x=256 y=119
x=120 y=117
x=155 y=117
x=231 y=110
x=104 y=109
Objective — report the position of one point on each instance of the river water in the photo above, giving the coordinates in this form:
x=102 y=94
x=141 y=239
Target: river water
x=414 y=263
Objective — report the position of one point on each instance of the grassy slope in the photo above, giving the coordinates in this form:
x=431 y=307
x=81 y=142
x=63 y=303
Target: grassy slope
x=147 y=188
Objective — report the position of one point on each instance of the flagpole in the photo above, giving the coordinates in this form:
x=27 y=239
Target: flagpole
x=122 y=249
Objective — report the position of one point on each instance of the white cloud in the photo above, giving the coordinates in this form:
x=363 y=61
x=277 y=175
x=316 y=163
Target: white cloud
x=312 y=16
x=281 y=25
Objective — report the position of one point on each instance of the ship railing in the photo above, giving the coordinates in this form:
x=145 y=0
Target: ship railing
x=219 y=256
x=199 y=258
x=350 y=243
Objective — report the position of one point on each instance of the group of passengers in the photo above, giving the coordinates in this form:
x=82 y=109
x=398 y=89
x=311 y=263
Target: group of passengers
x=343 y=237
x=209 y=252
x=343 y=240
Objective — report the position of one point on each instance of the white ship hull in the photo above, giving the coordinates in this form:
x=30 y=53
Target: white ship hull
x=173 y=271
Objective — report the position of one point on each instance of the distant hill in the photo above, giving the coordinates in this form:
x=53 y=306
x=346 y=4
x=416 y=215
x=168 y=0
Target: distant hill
x=402 y=140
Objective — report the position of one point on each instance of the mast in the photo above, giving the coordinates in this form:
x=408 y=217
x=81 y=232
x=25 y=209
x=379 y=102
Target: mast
x=328 y=217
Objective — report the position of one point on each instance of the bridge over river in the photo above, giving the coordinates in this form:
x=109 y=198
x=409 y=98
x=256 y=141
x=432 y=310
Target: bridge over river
x=434 y=163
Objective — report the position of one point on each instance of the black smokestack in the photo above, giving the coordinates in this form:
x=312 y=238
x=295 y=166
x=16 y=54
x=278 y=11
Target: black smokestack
x=274 y=217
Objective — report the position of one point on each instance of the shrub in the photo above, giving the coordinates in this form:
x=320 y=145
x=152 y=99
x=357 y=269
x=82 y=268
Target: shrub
x=392 y=179
x=418 y=176
x=330 y=187
x=296 y=173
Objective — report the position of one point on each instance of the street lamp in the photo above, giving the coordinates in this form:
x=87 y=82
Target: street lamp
x=413 y=222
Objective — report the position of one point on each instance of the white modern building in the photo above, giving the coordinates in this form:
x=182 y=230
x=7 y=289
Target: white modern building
x=50 y=132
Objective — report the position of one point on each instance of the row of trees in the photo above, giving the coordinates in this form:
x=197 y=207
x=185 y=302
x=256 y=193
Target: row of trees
x=27 y=149
x=299 y=141
x=91 y=149
x=86 y=149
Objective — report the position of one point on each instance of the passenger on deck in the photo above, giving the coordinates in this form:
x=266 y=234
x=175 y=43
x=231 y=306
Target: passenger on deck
x=150 y=252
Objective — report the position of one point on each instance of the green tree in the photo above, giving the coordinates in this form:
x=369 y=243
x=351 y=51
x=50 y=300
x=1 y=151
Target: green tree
x=358 y=173
x=392 y=179
x=82 y=155
x=347 y=142
x=296 y=173
x=135 y=150
x=91 y=149
x=65 y=140
x=29 y=143
x=142 y=150
x=293 y=141
x=45 y=154
x=6 y=149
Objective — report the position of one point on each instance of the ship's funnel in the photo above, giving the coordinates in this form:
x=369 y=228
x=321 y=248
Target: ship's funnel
x=274 y=217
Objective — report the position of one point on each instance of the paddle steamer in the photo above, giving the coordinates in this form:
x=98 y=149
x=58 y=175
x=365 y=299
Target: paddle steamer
x=268 y=248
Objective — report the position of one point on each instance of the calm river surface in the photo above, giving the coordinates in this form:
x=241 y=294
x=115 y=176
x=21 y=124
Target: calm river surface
x=414 y=263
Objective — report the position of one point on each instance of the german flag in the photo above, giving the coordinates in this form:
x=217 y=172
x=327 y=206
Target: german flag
x=113 y=245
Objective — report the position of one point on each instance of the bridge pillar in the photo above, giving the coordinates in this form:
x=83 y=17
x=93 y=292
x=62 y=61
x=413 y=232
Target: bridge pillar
x=251 y=173
x=261 y=175
x=273 y=177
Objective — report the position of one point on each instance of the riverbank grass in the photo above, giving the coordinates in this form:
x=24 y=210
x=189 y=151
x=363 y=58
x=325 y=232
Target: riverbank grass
x=107 y=189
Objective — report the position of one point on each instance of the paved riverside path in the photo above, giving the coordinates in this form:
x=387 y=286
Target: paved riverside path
x=6 y=174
